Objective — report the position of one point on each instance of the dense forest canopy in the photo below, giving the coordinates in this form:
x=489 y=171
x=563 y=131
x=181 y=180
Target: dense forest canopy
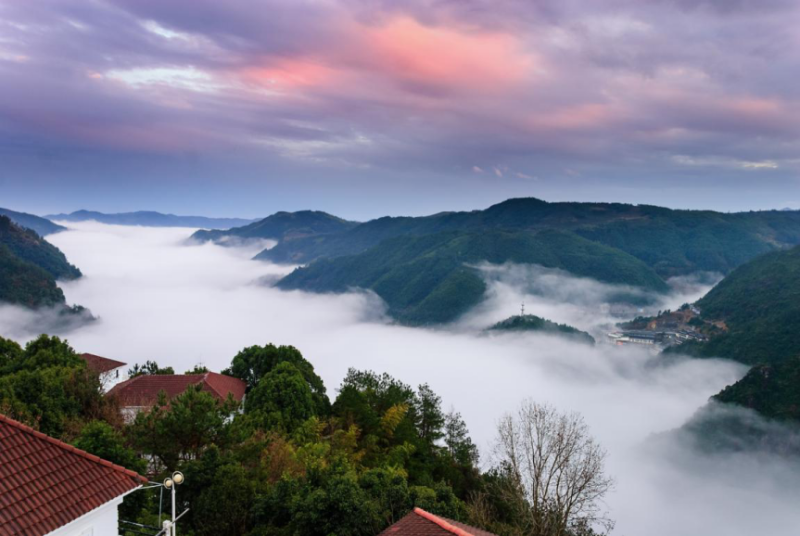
x=29 y=267
x=433 y=279
x=537 y=324
x=756 y=310
x=291 y=463
x=673 y=242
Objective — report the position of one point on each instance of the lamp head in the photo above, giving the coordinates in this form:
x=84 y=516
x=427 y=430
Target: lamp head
x=177 y=478
x=168 y=483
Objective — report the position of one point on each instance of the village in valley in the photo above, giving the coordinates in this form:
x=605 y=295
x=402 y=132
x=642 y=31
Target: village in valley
x=667 y=328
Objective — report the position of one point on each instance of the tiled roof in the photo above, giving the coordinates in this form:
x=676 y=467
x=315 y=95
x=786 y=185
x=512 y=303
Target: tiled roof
x=142 y=391
x=45 y=483
x=101 y=364
x=422 y=523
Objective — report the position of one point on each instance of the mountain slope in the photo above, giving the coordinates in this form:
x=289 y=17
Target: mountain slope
x=26 y=245
x=151 y=219
x=29 y=266
x=673 y=242
x=42 y=226
x=537 y=324
x=24 y=283
x=759 y=306
x=430 y=279
x=281 y=226
x=772 y=390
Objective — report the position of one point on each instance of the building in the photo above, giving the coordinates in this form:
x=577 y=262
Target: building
x=421 y=523
x=110 y=371
x=50 y=487
x=141 y=392
x=637 y=337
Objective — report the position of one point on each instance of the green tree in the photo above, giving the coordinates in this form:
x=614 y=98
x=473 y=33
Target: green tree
x=282 y=398
x=182 y=428
x=458 y=442
x=224 y=508
x=48 y=386
x=254 y=362
x=101 y=439
x=338 y=506
x=388 y=489
x=431 y=418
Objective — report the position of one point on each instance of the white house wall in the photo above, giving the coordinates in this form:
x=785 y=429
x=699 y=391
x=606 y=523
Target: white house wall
x=101 y=521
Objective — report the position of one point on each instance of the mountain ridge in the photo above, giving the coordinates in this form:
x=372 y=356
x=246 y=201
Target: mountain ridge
x=42 y=226
x=149 y=218
x=282 y=226
x=689 y=241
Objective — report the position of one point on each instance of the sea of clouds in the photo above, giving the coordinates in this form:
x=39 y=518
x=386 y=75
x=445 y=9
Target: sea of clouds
x=160 y=299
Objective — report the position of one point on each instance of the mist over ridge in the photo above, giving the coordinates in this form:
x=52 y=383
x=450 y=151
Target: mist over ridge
x=159 y=299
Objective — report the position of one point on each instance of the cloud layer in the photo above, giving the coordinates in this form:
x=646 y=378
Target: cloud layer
x=672 y=99
x=184 y=305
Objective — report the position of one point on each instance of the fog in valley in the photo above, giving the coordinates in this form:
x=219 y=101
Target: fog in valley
x=181 y=305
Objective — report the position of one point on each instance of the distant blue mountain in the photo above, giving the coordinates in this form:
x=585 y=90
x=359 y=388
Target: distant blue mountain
x=42 y=226
x=145 y=218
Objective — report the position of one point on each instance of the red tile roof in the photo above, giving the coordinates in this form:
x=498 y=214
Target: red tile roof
x=101 y=364
x=142 y=391
x=422 y=523
x=45 y=483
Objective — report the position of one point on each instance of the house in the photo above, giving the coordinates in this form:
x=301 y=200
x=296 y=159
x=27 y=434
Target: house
x=421 y=523
x=141 y=392
x=109 y=370
x=637 y=337
x=50 y=487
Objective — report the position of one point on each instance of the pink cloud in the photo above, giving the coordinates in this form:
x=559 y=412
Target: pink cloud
x=409 y=51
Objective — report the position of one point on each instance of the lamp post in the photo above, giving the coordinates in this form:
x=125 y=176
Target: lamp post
x=171 y=483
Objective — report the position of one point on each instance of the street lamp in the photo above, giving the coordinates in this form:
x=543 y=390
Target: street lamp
x=171 y=483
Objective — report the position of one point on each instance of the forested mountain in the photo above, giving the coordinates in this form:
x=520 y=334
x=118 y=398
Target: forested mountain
x=753 y=316
x=673 y=242
x=29 y=267
x=146 y=218
x=43 y=226
x=282 y=226
x=431 y=279
x=771 y=390
x=754 y=313
x=538 y=324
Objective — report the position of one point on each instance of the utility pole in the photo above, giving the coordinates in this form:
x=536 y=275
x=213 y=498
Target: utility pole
x=522 y=310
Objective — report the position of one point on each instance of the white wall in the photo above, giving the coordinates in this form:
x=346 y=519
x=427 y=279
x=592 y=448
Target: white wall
x=101 y=521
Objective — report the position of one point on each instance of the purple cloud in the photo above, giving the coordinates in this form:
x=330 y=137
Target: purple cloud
x=625 y=92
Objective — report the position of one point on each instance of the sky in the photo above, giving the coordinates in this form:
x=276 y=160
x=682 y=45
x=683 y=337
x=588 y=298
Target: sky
x=366 y=108
x=213 y=303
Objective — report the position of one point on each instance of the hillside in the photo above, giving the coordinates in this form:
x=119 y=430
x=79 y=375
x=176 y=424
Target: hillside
x=42 y=226
x=282 y=226
x=771 y=390
x=29 y=266
x=24 y=283
x=29 y=246
x=429 y=279
x=151 y=219
x=672 y=242
x=538 y=324
x=759 y=306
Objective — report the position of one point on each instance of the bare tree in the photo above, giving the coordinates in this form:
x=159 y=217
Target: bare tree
x=553 y=474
